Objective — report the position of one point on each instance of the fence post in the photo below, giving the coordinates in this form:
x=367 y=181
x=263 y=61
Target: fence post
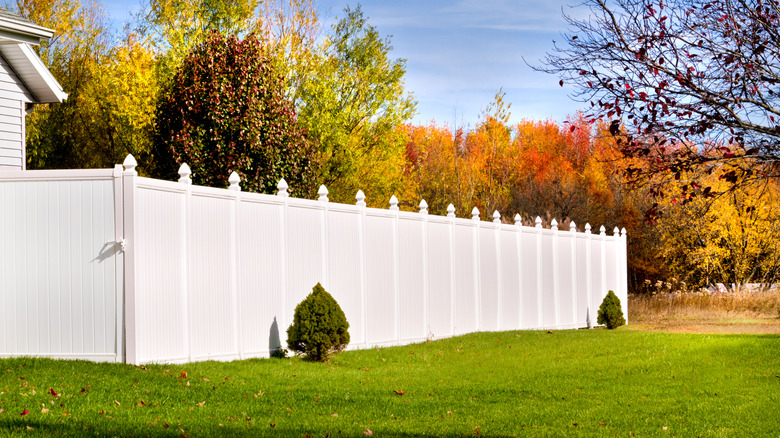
x=623 y=267
x=589 y=275
x=129 y=177
x=186 y=181
x=284 y=194
x=475 y=249
x=396 y=269
x=556 y=272
x=538 y=230
x=324 y=240
x=451 y=216
x=426 y=277
x=360 y=199
x=573 y=254
x=235 y=188
x=519 y=244
x=119 y=261
x=603 y=237
x=499 y=292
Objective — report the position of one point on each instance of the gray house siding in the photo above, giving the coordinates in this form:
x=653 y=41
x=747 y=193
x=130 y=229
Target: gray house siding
x=13 y=96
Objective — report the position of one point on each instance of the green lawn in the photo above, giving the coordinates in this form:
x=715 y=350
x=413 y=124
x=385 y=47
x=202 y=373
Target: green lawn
x=567 y=383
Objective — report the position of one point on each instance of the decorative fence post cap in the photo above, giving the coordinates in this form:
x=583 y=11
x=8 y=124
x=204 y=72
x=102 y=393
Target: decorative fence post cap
x=323 y=192
x=496 y=217
x=360 y=197
x=475 y=214
x=572 y=227
x=282 y=186
x=393 y=203
x=623 y=232
x=423 y=207
x=518 y=219
x=538 y=222
x=185 y=174
x=450 y=210
x=130 y=164
x=603 y=231
x=234 y=181
x=554 y=224
x=616 y=231
x=587 y=227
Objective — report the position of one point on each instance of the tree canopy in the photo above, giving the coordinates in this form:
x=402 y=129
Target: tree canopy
x=682 y=83
x=225 y=110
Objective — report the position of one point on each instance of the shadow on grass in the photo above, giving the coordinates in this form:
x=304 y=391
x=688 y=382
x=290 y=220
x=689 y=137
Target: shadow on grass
x=17 y=426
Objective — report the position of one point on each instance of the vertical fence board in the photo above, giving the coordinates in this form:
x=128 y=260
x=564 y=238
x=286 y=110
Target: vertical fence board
x=465 y=317
x=411 y=280
x=530 y=274
x=548 y=282
x=510 y=281
x=567 y=294
x=380 y=280
x=159 y=253
x=488 y=278
x=344 y=277
x=261 y=293
x=440 y=278
x=304 y=253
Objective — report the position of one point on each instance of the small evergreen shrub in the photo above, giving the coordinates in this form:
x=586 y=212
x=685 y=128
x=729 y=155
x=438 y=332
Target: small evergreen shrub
x=319 y=327
x=610 y=313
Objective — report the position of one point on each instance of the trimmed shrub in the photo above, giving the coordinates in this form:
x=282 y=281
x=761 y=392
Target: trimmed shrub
x=319 y=327
x=610 y=313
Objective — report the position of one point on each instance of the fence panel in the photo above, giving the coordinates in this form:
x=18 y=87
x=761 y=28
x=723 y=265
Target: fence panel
x=411 y=279
x=161 y=271
x=488 y=277
x=380 y=278
x=345 y=278
x=466 y=308
x=510 y=280
x=60 y=264
x=260 y=280
x=440 y=274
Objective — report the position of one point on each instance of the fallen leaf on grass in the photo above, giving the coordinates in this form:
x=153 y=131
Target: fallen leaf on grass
x=398 y=392
x=368 y=432
x=53 y=392
x=102 y=412
x=25 y=412
x=335 y=415
x=201 y=404
x=141 y=403
x=449 y=412
x=117 y=403
x=183 y=375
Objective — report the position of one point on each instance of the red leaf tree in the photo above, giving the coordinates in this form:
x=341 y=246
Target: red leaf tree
x=681 y=83
x=225 y=111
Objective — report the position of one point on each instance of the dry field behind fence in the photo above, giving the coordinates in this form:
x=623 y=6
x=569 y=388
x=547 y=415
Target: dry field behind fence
x=707 y=312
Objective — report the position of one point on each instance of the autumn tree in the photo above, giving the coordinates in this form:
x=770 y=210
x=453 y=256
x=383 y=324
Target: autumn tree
x=69 y=135
x=730 y=239
x=692 y=82
x=225 y=111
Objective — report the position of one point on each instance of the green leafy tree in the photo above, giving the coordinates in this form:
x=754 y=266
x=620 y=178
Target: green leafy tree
x=225 y=110
x=352 y=103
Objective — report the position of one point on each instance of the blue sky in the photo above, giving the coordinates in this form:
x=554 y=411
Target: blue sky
x=460 y=52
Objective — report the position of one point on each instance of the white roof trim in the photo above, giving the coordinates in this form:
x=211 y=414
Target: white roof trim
x=25 y=27
x=33 y=72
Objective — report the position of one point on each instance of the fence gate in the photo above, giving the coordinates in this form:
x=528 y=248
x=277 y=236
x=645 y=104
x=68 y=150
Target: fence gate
x=61 y=264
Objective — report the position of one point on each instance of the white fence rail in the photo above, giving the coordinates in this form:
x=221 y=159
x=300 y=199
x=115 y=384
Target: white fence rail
x=216 y=273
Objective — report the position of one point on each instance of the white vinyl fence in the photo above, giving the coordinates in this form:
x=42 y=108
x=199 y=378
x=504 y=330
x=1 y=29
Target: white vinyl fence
x=108 y=265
